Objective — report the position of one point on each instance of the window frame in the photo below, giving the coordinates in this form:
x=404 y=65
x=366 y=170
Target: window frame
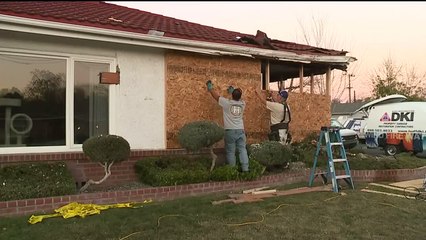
x=69 y=95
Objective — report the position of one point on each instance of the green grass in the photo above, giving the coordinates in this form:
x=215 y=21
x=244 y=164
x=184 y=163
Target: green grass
x=317 y=215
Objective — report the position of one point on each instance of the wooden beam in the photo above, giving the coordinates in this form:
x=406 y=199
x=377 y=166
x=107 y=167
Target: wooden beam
x=260 y=195
x=328 y=82
x=385 y=193
x=394 y=188
x=301 y=78
x=264 y=191
x=254 y=189
x=312 y=84
x=268 y=75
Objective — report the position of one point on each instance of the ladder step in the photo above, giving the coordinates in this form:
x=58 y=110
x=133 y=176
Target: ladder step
x=340 y=160
x=343 y=176
x=336 y=144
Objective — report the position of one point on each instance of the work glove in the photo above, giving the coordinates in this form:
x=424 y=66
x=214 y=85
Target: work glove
x=209 y=85
x=230 y=89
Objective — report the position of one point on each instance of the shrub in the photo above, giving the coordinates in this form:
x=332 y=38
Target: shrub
x=105 y=149
x=177 y=170
x=35 y=180
x=196 y=135
x=256 y=170
x=271 y=154
x=224 y=173
x=304 y=151
x=305 y=148
x=172 y=170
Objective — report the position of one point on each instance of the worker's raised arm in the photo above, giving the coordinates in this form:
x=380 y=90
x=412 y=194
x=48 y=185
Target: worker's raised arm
x=214 y=94
x=261 y=96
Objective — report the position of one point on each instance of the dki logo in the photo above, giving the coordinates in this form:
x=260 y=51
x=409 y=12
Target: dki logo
x=403 y=116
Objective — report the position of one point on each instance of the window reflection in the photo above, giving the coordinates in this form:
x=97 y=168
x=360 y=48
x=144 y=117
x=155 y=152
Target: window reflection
x=32 y=101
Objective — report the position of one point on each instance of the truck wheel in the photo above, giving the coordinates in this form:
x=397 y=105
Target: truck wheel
x=391 y=150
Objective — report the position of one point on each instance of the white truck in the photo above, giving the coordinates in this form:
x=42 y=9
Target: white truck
x=358 y=125
x=397 y=126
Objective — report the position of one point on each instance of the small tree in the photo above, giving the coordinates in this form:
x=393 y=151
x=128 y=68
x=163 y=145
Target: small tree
x=201 y=134
x=105 y=150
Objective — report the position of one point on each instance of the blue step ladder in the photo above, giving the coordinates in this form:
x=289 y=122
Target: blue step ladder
x=331 y=172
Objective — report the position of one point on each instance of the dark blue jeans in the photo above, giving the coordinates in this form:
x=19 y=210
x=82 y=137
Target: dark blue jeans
x=236 y=139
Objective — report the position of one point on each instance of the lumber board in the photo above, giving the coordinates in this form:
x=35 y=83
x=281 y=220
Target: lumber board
x=389 y=194
x=394 y=188
x=254 y=189
x=250 y=197
x=264 y=192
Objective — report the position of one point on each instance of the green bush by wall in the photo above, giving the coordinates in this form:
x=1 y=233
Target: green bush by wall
x=35 y=180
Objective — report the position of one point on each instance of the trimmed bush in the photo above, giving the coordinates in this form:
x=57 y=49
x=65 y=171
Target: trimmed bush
x=271 y=154
x=36 y=180
x=106 y=148
x=196 y=135
x=200 y=134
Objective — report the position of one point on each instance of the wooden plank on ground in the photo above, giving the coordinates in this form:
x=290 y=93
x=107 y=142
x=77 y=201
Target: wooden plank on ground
x=254 y=189
x=253 y=197
x=385 y=193
x=264 y=192
x=393 y=188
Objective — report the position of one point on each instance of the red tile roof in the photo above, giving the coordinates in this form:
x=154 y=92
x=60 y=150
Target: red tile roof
x=110 y=16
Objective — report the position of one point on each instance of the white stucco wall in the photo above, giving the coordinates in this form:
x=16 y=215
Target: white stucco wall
x=141 y=105
x=138 y=102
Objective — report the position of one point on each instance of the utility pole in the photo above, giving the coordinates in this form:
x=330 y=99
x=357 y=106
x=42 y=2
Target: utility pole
x=349 y=77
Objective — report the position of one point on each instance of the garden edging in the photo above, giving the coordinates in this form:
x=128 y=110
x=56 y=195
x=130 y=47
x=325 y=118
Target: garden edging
x=48 y=204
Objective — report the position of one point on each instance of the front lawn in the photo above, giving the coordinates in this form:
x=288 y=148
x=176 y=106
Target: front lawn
x=316 y=215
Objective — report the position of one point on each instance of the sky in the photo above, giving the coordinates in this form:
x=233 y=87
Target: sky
x=370 y=31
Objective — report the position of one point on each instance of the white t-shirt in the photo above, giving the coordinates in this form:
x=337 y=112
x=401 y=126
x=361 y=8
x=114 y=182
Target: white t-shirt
x=232 y=113
x=277 y=112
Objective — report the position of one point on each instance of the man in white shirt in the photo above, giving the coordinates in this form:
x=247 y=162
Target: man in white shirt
x=280 y=115
x=235 y=137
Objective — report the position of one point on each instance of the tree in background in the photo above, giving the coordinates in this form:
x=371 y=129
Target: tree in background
x=391 y=78
x=46 y=86
x=317 y=34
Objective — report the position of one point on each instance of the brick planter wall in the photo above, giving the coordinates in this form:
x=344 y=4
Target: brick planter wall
x=47 y=205
x=82 y=169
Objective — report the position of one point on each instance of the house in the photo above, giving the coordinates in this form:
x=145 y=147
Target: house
x=72 y=70
x=344 y=111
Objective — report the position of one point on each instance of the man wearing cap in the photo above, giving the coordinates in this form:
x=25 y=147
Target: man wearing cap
x=235 y=137
x=280 y=115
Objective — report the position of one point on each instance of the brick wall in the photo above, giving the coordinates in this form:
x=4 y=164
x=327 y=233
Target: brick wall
x=47 y=205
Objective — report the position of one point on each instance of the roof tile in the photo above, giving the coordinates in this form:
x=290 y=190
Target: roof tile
x=110 y=16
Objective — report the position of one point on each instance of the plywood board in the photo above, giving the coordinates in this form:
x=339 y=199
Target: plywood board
x=187 y=99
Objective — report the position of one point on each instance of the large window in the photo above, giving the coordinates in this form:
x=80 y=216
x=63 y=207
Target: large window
x=34 y=109
x=90 y=101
